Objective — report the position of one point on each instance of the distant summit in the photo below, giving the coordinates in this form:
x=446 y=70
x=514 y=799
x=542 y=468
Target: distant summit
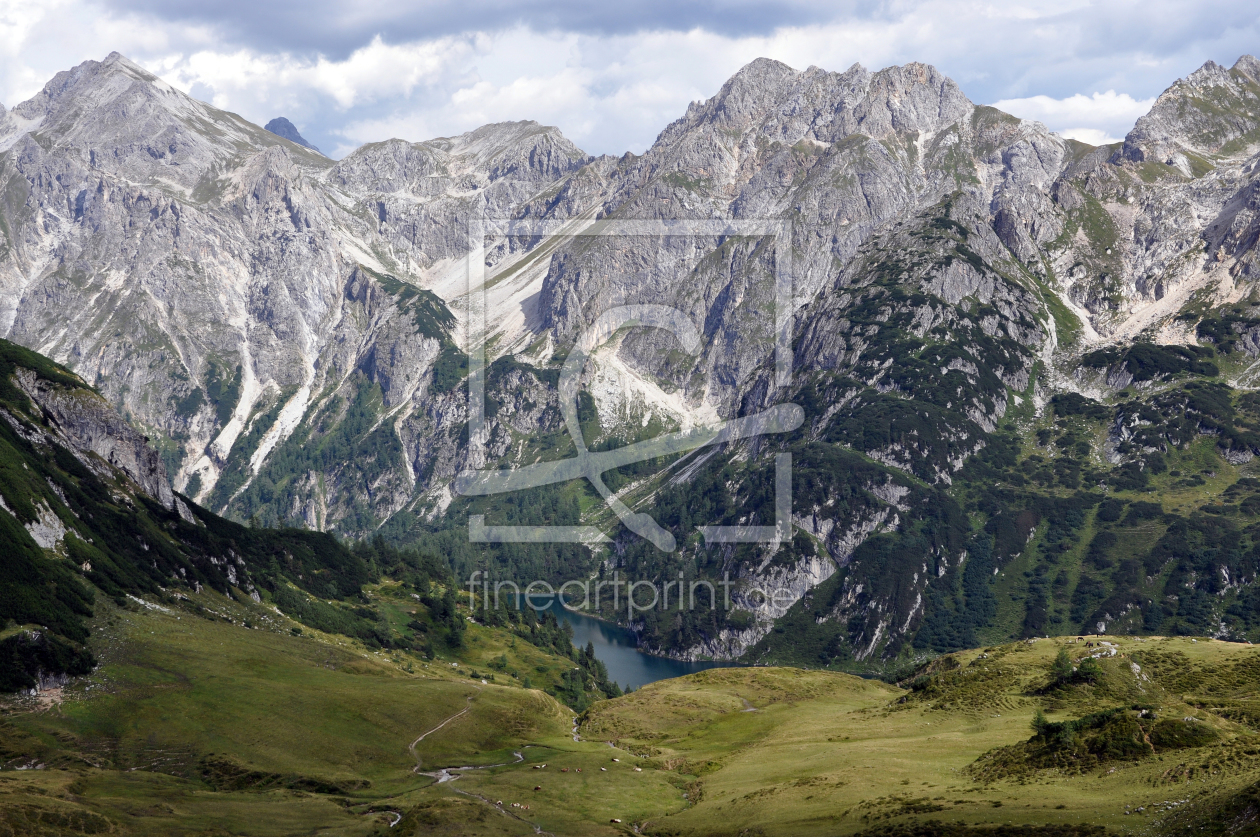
x=282 y=127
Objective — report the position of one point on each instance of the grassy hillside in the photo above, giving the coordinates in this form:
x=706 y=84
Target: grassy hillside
x=780 y=751
x=104 y=538
x=212 y=716
x=101 y=533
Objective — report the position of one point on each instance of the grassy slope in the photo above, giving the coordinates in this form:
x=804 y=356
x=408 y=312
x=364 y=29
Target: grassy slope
x=177 y=692
x=827 y=753
x=161 y=739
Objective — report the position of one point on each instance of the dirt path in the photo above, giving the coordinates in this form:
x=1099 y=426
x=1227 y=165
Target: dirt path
x=412 y=748
x=447 y=775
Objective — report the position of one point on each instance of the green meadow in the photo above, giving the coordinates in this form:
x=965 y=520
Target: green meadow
x=220 y=717
x=781 y=751
x=203 y=725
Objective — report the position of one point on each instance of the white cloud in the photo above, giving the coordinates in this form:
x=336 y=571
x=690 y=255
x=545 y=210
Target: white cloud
x=1090 y=136
x=246 y=80
x=1098 y=119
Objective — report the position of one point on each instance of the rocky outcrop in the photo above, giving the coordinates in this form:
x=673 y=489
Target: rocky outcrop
x=86 y=512
x=91 y=428
x=36 y=661
x=843 y=155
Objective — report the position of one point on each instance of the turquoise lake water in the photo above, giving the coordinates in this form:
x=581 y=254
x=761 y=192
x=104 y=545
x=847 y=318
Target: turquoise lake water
x=616 y=649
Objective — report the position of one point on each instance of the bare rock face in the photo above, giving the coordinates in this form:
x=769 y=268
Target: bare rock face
x=841 y=155
x=89 y=426
x=119 y=118
x=1164 y=216
x=421 y=195
x=239 y=283
x=1211 y=110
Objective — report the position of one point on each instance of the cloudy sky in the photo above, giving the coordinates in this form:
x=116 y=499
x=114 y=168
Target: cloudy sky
x=612 y=75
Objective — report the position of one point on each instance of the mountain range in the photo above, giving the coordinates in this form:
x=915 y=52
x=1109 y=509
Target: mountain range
x=1024 y=362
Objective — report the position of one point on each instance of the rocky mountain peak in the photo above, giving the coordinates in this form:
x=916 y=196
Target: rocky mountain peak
x=1249 y=66
x=786 y=105
x=1210 y=74
x=282 y=127
x=1213 y=111
x=767 y=108
x=523 y=148
x=100 y=97
x=115 y=116
x=519 y=151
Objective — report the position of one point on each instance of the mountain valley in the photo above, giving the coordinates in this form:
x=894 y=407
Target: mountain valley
x=1014 y=594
